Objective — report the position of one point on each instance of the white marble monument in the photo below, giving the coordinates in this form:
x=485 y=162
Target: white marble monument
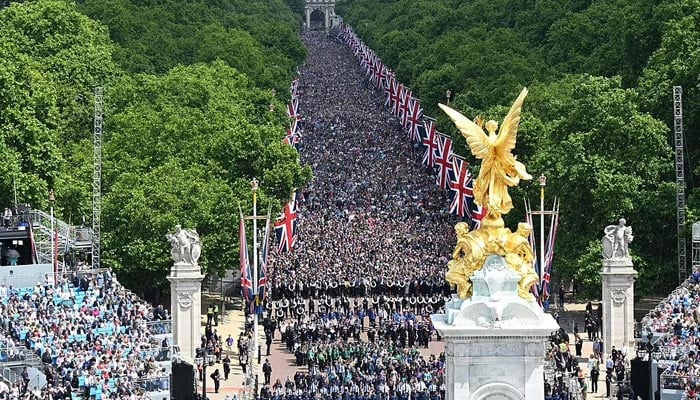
x=495 y=340
x=618 y=287
x=186 y=291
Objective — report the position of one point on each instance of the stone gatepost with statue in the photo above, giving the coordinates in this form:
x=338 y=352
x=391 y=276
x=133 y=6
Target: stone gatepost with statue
x=618 y=276
x=186 y=291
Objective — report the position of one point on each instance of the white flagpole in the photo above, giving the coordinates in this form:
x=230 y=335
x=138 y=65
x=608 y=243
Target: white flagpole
x=254 y=184
x=543 y=182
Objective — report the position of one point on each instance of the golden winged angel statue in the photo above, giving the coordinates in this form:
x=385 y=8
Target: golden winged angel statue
x=499 y=168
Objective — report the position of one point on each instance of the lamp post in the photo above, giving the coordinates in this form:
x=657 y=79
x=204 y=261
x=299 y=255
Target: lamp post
x=52 y=200
x=448 y=93
x=209 y=358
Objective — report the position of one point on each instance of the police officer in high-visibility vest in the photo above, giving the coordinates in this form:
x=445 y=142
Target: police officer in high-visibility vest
x=216 y=315
x=210 y=314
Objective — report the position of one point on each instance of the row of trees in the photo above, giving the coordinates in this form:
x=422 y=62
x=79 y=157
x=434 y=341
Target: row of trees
x=597 y=120
x=190 y=112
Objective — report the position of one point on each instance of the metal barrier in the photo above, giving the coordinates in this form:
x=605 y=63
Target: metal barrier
x=163 y=327
x=10 y=376
x=159 y=384
x=160 y=354
x=671 y=380
x=16 y=353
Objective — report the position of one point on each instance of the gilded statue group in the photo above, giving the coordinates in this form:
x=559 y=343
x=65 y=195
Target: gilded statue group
x=499 y=170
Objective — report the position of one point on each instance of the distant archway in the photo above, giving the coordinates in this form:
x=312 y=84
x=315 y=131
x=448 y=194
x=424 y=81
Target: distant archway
x=319 y=13
x=318 y=19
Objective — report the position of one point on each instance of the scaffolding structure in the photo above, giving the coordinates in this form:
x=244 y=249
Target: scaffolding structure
x=97 y=178
x=680 y=181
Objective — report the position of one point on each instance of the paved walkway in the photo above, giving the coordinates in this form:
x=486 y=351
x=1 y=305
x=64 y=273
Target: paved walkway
x=231 y=322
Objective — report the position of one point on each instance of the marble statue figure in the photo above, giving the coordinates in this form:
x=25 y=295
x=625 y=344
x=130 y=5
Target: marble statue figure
x=186 y=246
x=617 y=239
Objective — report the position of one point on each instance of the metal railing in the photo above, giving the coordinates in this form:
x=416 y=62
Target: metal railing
x=16 y=353
x=672 y=380
x=9 y=376
x=159 y=384
x=162 y=327
x=159 y=354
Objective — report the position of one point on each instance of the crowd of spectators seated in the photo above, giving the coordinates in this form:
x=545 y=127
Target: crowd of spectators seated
x=95 y=338
x=673 y=327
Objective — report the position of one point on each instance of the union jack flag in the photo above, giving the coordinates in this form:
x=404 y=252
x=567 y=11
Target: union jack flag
x=294 y=86
x=406 y=97
x=390 y=91
x=429 y=140
x=293 y=109
x=443 y=160
x=477 y=212
x=293 y=135
x=246 y=278
x=396 y=98
x=460 y=187
x=380 y=75
x=414 y=117
x=286 y=227
x=549 y=252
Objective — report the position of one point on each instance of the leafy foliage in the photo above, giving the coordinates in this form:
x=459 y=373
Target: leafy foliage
x=187 y=113
x=599 y=138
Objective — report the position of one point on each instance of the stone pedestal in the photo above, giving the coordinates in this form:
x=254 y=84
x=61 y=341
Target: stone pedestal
x=618 y=303
x=495 y=341
x=186 y=307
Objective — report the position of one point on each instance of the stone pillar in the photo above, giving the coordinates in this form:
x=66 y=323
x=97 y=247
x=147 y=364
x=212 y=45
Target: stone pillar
x=308 y=18
x=326 y=21
x=618 y=303
x=186 y=292
x=618 y=287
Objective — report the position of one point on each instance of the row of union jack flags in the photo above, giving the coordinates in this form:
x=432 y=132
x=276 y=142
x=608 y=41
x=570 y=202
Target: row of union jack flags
x=285 y=226
x=451 y=170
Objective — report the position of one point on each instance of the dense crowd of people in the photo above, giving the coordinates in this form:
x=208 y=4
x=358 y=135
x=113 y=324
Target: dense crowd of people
x=352 y=300
x=371 y=220
x=95 y=338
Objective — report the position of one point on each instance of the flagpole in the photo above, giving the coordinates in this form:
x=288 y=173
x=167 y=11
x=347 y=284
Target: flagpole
x=254 y=185
x=543 y=183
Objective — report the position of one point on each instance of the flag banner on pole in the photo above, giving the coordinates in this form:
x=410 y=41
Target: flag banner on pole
x=460 y=186
x=246 y=278
x=286 y=227
x=549 y=252
x=262 y=280
x=443 y=160
x=535 y=264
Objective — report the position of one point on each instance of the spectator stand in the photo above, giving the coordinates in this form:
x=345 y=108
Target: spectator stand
x=92 y=337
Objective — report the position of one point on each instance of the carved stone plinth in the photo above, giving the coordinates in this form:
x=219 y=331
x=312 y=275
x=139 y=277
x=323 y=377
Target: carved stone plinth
x=618 y=303
x=186 y=307
x=495 y=341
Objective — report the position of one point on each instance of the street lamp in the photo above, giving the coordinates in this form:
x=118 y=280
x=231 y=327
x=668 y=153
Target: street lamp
x=448 y=93
x=209 y=358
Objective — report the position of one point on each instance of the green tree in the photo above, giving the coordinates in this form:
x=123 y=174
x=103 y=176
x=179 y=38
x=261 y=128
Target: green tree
x=182 y=148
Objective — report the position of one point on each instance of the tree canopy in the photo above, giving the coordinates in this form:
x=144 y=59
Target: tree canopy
x=596 y=121
x=188 y=119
